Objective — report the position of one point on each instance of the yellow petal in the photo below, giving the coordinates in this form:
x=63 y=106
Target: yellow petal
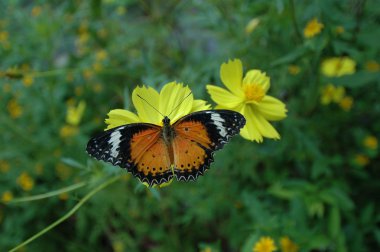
x=263 y=126
x=223 y=97
x=257 y=126
x=199 y=105
x=257 y=77
x=271 y=108
x=118 y=117
x=146 y=112
x=172 y=101
x=231 y=74
x=250 y=131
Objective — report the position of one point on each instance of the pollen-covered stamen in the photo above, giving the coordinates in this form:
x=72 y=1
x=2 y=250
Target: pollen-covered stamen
x=253 y=92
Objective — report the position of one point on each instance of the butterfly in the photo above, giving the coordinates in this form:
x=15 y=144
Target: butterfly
x=155 y=154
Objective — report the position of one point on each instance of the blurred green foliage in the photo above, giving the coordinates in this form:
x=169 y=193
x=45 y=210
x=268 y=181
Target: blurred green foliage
x=318 y=185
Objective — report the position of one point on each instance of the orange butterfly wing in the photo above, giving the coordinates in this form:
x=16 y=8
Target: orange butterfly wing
x=197 y=136
x=137 y=147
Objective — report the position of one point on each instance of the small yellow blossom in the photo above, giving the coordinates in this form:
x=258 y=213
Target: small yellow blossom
x=251 y=25
x=27 y=80
x=361 y=159
x=330 y=93
x=248 y=96
x=39 y=169
x=339 y=29
x=265 y=244
x=102 y=33
x=78 y=90
x=63 y=171
x=312 y=28
x=6 y=196
x=88 y=74
x=4 y=166
x=97 y=66
x=372 y=66
x=288 y=245
x=206 y=249
x=25 y=181
x=338 y=66
x=370 y=142
x=63 y=196
x=101 y=55
x=118 y=246
x=74 y=113
x=14 y=109
x=346 y=103
x=97 y=88
x=68 y=131
x=121 y=10
x=7 y=88
x=294 y=69
x=36 y=11
x=4 y=35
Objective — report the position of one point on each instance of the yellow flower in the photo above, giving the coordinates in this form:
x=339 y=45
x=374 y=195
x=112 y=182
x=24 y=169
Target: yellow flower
x=27 y=80
x=338 y=66
x=207 y=249
x=330 y=93
x=294 y=70
x=6 y=196
x=39 y=169
x=4 y=166
x=251 y=25
x=361 y=159
x=67 y=131
x=118 y=246
x=4 y=35
x=36 y=11
x=88 y=74
x=171 y=95
x=346 y=103
x=101 y=55
x=74 y=113
x=121 y=10
x=265 y=244
x=63 y=171
x=372 y=66
x=63 y=196
x=287 y=245
x=312 y=28
x=14 y=109
x=25 y=181
x=248 y=96
x=339 y=29
x=370 y=142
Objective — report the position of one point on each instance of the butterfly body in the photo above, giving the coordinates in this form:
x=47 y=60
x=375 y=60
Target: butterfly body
x=156 y=153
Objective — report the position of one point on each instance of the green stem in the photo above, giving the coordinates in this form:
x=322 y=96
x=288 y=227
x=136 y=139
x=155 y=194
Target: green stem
x=294 y=20
x=68 y=214
x=49 y=194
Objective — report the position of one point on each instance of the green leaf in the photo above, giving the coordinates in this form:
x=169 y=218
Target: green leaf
x=334 y=222
x=290 y=57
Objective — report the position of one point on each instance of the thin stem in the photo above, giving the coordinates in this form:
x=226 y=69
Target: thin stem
x=294 y=20
x=68 y=214
x=49 y=194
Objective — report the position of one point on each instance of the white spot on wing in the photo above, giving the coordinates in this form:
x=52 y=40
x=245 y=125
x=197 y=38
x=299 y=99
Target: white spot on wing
x=114 y=141
x=218 y=121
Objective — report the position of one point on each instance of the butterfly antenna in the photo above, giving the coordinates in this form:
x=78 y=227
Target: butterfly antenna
x=150 y=105
x=180 y=103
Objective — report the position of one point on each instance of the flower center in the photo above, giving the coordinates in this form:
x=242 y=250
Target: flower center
x=253 y=92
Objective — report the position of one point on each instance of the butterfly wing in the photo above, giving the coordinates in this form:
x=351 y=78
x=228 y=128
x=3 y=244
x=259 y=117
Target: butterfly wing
x=198 y=135
x=137 y=147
